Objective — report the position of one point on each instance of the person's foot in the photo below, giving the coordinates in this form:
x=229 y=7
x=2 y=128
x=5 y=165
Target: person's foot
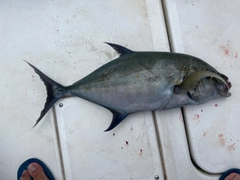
x=35 y=171
x=233 y=176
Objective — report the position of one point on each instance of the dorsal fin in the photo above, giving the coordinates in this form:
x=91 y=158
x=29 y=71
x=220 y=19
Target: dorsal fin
x=117 y=118
x=120 y=49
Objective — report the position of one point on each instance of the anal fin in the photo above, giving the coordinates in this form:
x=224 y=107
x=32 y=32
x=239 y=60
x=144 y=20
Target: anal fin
x=117 y=119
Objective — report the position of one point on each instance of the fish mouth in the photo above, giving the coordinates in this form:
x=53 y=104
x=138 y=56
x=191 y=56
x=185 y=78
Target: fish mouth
x=223 y=88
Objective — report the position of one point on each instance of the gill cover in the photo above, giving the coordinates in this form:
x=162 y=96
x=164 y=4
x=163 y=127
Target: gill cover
x=191 y=81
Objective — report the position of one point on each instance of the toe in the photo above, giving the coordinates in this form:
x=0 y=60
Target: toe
x=37 y=172
x=25 y=175
x=233 y=176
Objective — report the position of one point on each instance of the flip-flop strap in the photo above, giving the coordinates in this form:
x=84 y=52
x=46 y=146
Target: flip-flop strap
x=225 y=174
x=25 y=164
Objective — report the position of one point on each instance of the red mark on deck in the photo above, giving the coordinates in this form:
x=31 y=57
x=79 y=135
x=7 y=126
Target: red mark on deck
x=196 y=116
x=216 y=105
x=236 y=55
x=226 y=51
x=229 y=51
x=221 y=140
x=231 y=147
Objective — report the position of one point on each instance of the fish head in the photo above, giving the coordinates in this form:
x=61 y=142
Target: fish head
x=223 y=88
x=209 y=88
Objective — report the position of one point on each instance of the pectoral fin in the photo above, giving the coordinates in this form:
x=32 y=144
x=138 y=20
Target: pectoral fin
x=191 y=81
x=117 y=118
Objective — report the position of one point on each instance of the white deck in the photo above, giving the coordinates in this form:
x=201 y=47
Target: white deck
x=65 y=39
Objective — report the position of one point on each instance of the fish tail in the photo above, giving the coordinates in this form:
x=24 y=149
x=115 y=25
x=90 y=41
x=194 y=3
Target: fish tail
x=55 y=91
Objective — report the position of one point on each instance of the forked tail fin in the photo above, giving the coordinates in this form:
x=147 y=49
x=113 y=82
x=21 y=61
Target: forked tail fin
x=54 y=92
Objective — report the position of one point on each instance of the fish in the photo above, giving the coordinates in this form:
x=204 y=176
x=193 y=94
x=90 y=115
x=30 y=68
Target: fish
x=142 y=81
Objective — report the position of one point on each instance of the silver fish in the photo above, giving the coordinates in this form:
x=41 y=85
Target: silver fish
x=142 y=81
